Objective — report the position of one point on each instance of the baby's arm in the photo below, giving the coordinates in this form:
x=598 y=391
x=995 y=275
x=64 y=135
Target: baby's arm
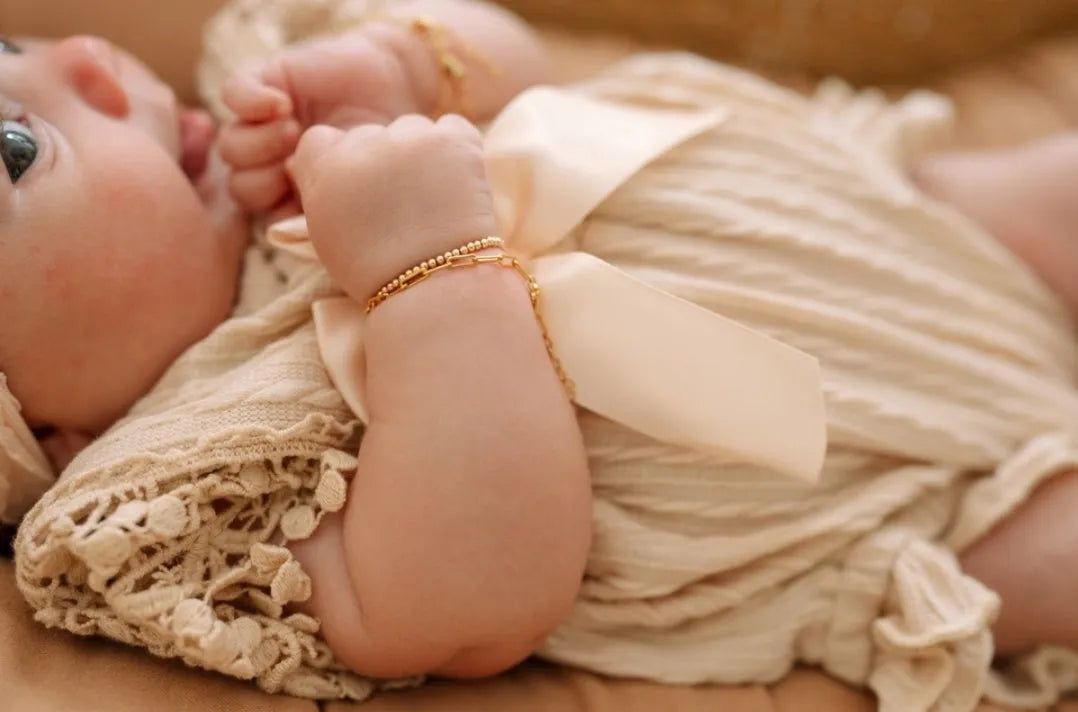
x=467 y=526
x=383 y=70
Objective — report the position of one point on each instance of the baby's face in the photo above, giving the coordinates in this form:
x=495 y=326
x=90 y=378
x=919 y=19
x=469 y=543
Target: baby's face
x=118 y=246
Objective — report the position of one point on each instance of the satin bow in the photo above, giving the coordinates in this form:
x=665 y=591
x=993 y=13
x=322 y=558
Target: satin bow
x=644 y=358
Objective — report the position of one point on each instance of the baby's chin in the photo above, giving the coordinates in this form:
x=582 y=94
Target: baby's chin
x=208 y=174
x=197 y=134
x=211 y=185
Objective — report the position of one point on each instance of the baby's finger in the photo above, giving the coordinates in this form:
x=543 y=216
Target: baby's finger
x=259 y=189
x=315 y=143
x=253 y=100
x=250 y=146
x=456 y=122
x=459 y=126
x=410 y=125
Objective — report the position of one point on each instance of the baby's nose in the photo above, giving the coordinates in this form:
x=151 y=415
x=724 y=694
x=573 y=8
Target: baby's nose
x=89 y=66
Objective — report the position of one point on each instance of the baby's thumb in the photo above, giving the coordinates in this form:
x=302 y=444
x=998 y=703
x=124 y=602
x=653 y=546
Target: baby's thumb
x=315 y=144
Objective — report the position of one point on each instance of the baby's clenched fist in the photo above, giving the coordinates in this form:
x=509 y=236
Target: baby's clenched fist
x=344 y=81
x=380 y=199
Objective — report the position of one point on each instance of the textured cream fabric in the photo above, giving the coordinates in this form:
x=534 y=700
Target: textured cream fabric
x=949 y=373
x=950 y=379
x=25 y=472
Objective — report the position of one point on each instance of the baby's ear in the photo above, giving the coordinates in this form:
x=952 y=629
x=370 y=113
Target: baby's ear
x=61 y=447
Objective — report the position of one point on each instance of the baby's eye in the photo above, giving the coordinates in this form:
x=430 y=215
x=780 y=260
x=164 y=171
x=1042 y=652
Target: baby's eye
x=9 y=47
x=18 y=148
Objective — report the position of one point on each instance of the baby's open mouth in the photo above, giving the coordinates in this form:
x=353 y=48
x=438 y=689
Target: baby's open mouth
x=197 y=132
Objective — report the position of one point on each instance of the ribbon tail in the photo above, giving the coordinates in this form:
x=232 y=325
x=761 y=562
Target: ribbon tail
x=338 y=323
x=679 y=373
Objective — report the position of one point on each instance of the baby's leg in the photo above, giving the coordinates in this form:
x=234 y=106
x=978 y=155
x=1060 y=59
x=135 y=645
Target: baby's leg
x=1028 y=199
x=1029 y=560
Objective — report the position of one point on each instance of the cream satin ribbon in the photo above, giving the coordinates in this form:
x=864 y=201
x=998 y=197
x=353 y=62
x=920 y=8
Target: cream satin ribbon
x=642 y=357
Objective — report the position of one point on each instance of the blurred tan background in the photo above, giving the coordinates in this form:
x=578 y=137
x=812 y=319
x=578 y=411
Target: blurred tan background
x=165 y=33
x=1011 y=66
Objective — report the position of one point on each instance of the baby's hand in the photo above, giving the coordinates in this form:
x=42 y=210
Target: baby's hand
x=380 y=199
x=342 y=81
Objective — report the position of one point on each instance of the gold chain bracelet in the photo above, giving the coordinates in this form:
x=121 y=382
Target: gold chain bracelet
x=466 y=256
x=452 y=55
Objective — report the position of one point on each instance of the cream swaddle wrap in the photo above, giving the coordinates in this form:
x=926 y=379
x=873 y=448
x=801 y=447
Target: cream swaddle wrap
x=949 y=374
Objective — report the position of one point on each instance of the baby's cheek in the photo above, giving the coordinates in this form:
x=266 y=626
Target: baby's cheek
x=99 y=273
x=132 y=295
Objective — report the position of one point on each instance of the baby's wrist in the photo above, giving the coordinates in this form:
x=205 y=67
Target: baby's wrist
x=486 y=251
x=403 y=249
x=486 y=292
x=414 y=56
x=487 y=298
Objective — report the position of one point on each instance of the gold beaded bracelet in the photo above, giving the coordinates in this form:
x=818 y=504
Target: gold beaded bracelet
x=466 y=256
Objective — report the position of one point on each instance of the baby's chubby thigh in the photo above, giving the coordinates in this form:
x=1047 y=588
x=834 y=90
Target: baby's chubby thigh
x=1028 y=559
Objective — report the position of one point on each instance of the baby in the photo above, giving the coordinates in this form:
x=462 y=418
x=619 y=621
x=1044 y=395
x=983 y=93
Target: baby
x=468 y=524
x=88 y=129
